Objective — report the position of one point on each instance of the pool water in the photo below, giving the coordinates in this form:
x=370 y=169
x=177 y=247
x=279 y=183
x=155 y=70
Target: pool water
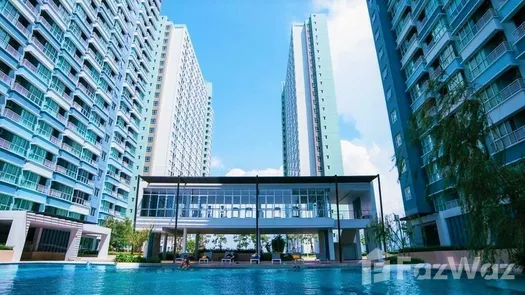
x=79 y=279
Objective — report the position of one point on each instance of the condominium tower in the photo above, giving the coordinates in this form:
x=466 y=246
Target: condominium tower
x=179 y=135
x=311 y=144
x=73 y=93
x=479 y=42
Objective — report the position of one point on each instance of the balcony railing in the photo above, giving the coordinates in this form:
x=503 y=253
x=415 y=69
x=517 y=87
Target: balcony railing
x=513 y=88
x=509 y=139
x=489 y=60
x=80 y=201
x=13 y=52
x=519 y=32
x=17 y=149
x=11 y=115
x=8 y=177
x=448 y=205
x=34 y=186
x=482 y=22
x=61 y=195
x=30 y=6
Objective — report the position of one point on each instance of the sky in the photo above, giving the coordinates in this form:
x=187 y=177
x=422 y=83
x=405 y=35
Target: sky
x=242 y=47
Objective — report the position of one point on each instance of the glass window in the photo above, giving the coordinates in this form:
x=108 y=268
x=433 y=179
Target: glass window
x=389 y=94
x=399 y=141
x=393 y=116
x=408 y=194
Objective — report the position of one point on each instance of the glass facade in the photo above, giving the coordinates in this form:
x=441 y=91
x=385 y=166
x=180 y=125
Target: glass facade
x=69 y=71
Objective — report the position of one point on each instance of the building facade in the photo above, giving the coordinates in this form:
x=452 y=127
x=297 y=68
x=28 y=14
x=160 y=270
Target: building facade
x=73 y=91
x=479 y=42
x=333 y=208
x=179 y=135
x=310 y=130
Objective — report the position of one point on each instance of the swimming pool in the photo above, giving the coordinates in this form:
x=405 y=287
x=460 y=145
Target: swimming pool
x=79 y=279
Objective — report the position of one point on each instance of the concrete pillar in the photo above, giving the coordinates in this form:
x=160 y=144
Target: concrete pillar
x=184 y=240
x=17 y=236
x=36 y=239
x=358 y=244
x=103 y=246
x=444 y=235
x=197 y=244
x=330 y=244
x=73 y=244
x=164 y=246
x=371 y=243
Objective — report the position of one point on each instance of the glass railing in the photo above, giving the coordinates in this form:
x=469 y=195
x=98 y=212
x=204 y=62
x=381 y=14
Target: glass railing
x=513 y=88
x=480 y=24
x=509 y=139
x=13 y=52
x=412 y=68
x=474 y=72
x=448 y=205
x=15 y=148
x=8 y=177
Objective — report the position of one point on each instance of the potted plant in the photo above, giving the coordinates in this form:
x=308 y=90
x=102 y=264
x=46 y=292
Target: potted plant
x=6 y=253
x=278 y=244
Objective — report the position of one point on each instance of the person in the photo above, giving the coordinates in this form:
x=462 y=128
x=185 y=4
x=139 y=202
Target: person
x=185 y=263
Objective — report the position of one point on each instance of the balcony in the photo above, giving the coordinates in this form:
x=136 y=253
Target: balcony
x=14 y=148
x=23 y=119
x=66 y=147
x=518 y=37
x=15 y=54
x=424 y=26
x=421 y=99
x=433 y=48
x=42 y=161
x=81 y=201
x=60 y=195
x=495 y=63
x=507 y=101
x=486 y=27
x=507 y=8
x=49 y=52
x=417 y=70
x=34 y=186
x=9 y=177
x=67 y=172
x=404 y=28
x=461 y=12
x=59 y=13
x=508 y=140
x=13 y=19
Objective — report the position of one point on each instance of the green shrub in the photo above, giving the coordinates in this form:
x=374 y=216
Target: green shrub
x=5 y=247
x=127 y=257
x=413 y=260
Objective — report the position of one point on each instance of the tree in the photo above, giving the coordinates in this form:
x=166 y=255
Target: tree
x=218 y=241
x=120 y=233
x=137 y=238
x=467 y=151
x=243 y=241
x=310 y=239
x=396 y=234
x=278 y=244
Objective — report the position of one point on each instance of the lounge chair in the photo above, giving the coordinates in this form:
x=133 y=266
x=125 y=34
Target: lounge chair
x=297 y=258
x=181 y=257
x=228 y=257
x=255 y=258
x=320 y=258
x=276 y=257
x=206 y=257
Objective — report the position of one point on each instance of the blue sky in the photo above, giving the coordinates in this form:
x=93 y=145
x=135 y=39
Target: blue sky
x=242 y=47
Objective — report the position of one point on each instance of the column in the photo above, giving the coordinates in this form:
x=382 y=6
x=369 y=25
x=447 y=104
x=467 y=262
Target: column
x=197 y=244
x=330 y=241
x=444 y=235
x=36 y=239
x=184 y=240
x=164 y=246
x=17 y=235
x=103 y=246
x=74 y=242
x=153 y=246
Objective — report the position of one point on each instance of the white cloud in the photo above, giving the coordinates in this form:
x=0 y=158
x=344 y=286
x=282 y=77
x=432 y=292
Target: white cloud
x=360 y=98
x=263 y=172
x=216 y=162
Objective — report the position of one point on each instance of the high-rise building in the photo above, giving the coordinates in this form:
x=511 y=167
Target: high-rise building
x=479 y=42
x=311 y=144
x=179 y=134
x=73 y=90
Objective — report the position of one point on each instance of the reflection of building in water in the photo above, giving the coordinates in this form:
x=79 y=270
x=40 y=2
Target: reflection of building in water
x=286 y=205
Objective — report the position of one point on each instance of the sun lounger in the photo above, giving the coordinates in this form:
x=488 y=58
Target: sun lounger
x=206 y=257
x=228 y=258
x=276 y=257
x=181 y=257
x=297 y=258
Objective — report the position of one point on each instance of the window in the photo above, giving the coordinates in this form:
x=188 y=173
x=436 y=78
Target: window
x=376 y=34
x=380 y=53
x=156 y=103
x=373 y=18
x=399 y=141
x=393 y=116
x=152 y=130
x=153 y=121
x=384 y=73
x=388 y=94
x=154 y=112
x=403 y=166
x=146 y=168
x=148 y=149
x=150 y=139
x=148 y=158
x=93 y=211
x=408 y=194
